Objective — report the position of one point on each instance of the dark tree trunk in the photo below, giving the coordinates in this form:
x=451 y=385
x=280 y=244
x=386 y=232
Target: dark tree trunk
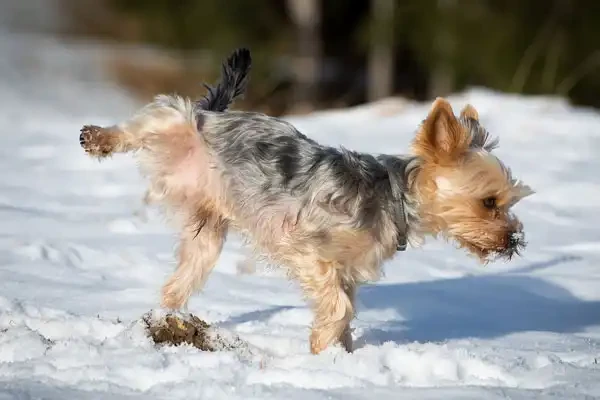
x=306 y=15
x=381 y=64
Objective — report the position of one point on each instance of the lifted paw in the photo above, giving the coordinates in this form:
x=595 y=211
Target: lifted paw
x=95 y=142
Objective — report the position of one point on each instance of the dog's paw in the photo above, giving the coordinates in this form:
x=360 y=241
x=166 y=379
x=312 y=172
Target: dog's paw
x=93 y=141
x=173 y=298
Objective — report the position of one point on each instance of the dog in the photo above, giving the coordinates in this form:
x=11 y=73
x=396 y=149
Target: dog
x=329 y=215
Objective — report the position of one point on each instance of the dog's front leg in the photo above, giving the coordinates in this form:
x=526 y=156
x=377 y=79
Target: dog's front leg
x=346 y=336
x=333 y=307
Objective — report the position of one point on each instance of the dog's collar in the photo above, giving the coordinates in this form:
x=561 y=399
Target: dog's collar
x=401 y=226
x=396 y=168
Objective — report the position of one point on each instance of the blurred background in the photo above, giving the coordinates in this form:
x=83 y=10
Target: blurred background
x=315 y=54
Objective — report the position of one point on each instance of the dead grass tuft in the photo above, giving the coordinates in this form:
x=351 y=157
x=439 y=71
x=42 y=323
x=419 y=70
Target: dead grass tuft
x=176 y=330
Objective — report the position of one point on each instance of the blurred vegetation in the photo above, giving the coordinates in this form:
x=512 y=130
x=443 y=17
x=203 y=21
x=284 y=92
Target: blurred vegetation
x=429 y=47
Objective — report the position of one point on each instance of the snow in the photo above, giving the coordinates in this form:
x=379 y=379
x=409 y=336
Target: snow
x=81 y=261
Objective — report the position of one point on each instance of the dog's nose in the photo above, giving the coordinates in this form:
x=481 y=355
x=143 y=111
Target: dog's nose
x=514 y=239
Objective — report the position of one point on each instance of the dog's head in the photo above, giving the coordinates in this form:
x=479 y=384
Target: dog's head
x=466 y=192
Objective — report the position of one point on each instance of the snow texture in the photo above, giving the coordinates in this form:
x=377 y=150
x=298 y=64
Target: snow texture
x=81 y=261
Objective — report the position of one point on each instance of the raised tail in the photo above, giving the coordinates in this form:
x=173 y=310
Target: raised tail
x=234 y=79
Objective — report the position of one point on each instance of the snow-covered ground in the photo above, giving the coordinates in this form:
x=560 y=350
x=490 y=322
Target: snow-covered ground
x=80 y=262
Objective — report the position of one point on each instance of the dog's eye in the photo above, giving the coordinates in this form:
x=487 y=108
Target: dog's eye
x=489 y=202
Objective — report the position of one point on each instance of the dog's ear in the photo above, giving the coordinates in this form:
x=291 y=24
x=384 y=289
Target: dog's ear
x=441 y=138
x=469 y=112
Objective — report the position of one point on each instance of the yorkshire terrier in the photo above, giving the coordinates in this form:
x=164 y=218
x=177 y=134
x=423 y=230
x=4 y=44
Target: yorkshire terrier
x=329 y=215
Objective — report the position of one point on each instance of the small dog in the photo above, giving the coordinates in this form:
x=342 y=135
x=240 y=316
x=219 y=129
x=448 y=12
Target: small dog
x=329 y=215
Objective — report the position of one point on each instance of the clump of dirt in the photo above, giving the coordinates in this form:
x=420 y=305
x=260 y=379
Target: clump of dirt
x=172 y=329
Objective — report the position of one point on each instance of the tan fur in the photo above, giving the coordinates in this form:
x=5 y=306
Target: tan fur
x=441 y=139
x=101 y=142
x=454 y=180
x=176 y=161
x=198 y=254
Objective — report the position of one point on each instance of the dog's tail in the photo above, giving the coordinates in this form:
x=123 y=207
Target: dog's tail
x=234 y=79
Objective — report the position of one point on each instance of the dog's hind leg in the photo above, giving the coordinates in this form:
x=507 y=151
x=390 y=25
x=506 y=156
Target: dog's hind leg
x=155 y=119
x=201 y=243
x=102 y=142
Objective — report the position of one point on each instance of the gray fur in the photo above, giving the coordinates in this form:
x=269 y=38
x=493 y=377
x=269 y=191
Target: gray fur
x=480 y=137
x=268 y=162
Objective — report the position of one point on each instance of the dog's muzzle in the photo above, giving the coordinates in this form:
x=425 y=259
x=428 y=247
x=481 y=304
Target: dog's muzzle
x=515 y=244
